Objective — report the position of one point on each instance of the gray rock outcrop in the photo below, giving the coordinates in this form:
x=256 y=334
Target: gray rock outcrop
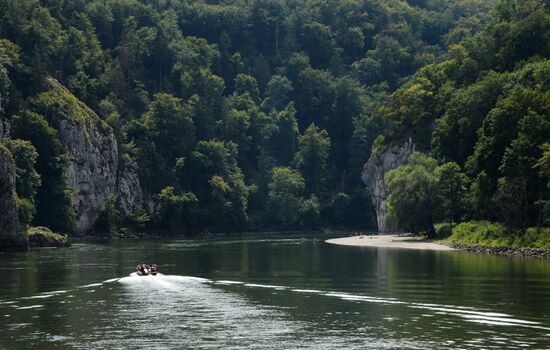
x=130 y=198
x=12 y=234
x=379 y=163
x=92 y=172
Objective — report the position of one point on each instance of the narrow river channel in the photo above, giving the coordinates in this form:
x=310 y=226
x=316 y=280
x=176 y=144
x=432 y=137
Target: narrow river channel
x=276 y=292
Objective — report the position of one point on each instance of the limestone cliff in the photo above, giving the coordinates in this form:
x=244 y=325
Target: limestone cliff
x=374 y=170
x=12 y=234
x=130 y=198
x=93 y=172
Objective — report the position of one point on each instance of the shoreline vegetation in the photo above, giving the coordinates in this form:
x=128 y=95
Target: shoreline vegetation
x=421 y=243
x=475 y=237
x=44 y=237
x=185 y=116
x=485 y=233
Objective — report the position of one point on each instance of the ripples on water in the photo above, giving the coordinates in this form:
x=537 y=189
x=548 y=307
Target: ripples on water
x=183 y=312
x=168 y=311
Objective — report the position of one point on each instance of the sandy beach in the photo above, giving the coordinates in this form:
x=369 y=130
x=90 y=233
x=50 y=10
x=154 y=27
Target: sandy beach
x=389 y=241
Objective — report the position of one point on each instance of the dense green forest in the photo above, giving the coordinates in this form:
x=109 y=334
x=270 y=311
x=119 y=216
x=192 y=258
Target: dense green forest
x=483 y=116
x=260 y=114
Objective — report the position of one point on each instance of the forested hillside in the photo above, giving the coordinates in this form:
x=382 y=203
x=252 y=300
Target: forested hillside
x=485 y=114
x=260 y=114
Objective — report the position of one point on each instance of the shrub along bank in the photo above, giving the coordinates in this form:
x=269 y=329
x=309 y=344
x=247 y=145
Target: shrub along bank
x=495 y=238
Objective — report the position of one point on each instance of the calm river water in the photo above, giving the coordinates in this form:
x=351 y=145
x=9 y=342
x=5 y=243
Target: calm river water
x=279 y=292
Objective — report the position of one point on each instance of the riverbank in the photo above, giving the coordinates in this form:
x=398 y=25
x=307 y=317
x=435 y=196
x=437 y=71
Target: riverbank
x=389 y=241
x=44 y=237
x=543 y=253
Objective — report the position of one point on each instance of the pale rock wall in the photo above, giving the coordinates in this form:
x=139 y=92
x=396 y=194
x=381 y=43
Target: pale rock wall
x=12 y=234
x=379 y=163
x=93 y=172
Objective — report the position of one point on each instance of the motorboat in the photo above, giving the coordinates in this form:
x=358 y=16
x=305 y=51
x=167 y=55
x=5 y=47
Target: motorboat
x=146 y=270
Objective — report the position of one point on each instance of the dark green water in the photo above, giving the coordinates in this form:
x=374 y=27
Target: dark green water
x=270 y=292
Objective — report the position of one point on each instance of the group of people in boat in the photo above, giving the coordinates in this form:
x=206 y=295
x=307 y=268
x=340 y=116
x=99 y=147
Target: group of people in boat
x=145 y=270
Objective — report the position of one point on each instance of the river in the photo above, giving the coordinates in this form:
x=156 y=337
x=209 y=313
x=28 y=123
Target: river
x=279 y=292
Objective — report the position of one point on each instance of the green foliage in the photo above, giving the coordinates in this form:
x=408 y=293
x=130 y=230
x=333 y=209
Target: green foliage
x=543 y=164
x=52 y=199
x=110 y=219
x=170 y=127
x=443 y=230
x=9 y=56
x=220 y=185
x=25 y=210
x=285 y=195
x=176 y=211
x=210 y=97
x=453 y=188
x=277 y=93
x=44 y=237
x=495 y=234
x=414 y=197
x=310 y=212
x=480 y=232
x=485 y=108
x=311 y=159
x=281 y=136
x=28 y=180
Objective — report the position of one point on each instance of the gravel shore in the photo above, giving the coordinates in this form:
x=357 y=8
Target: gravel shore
x=389 y=241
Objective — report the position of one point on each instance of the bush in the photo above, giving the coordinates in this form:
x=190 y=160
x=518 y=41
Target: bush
x=496 y=234
x=25 y=210
x=109 y=219
x=443 y=230
x=44 y=237
x=481 y=232
x=535 y=238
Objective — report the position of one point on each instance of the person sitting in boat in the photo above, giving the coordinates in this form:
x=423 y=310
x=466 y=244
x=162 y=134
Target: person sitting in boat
x=142 y=269
x=154 y=269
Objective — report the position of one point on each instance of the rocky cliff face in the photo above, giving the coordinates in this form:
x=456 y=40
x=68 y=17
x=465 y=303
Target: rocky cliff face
x=374 y=170
x=130 y=198
x=93 y=172
x=12 y=234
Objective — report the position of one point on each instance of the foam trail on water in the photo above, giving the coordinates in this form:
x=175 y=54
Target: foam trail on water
x=111 y=280
x=228 y=282
x=314 y=291
x=91 y=285
x=161 y=281
x=468 y=313
x=29 y=307
x=40 y=296
x=264 y=286
x=44 y=295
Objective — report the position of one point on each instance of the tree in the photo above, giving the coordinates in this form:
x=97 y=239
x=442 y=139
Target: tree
x=414 y=199
x=543 y=164
x=277 y=93
x=311 y=159
x=176 y=211
x=53 y=199
x=285 y=195
x=247 y=84
x=453 y=189
x=170 y=125
x=543 y=167
x=9 y=55
x=219 y=185
x=280 y=136
x=28 y=180
x=206 y=100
